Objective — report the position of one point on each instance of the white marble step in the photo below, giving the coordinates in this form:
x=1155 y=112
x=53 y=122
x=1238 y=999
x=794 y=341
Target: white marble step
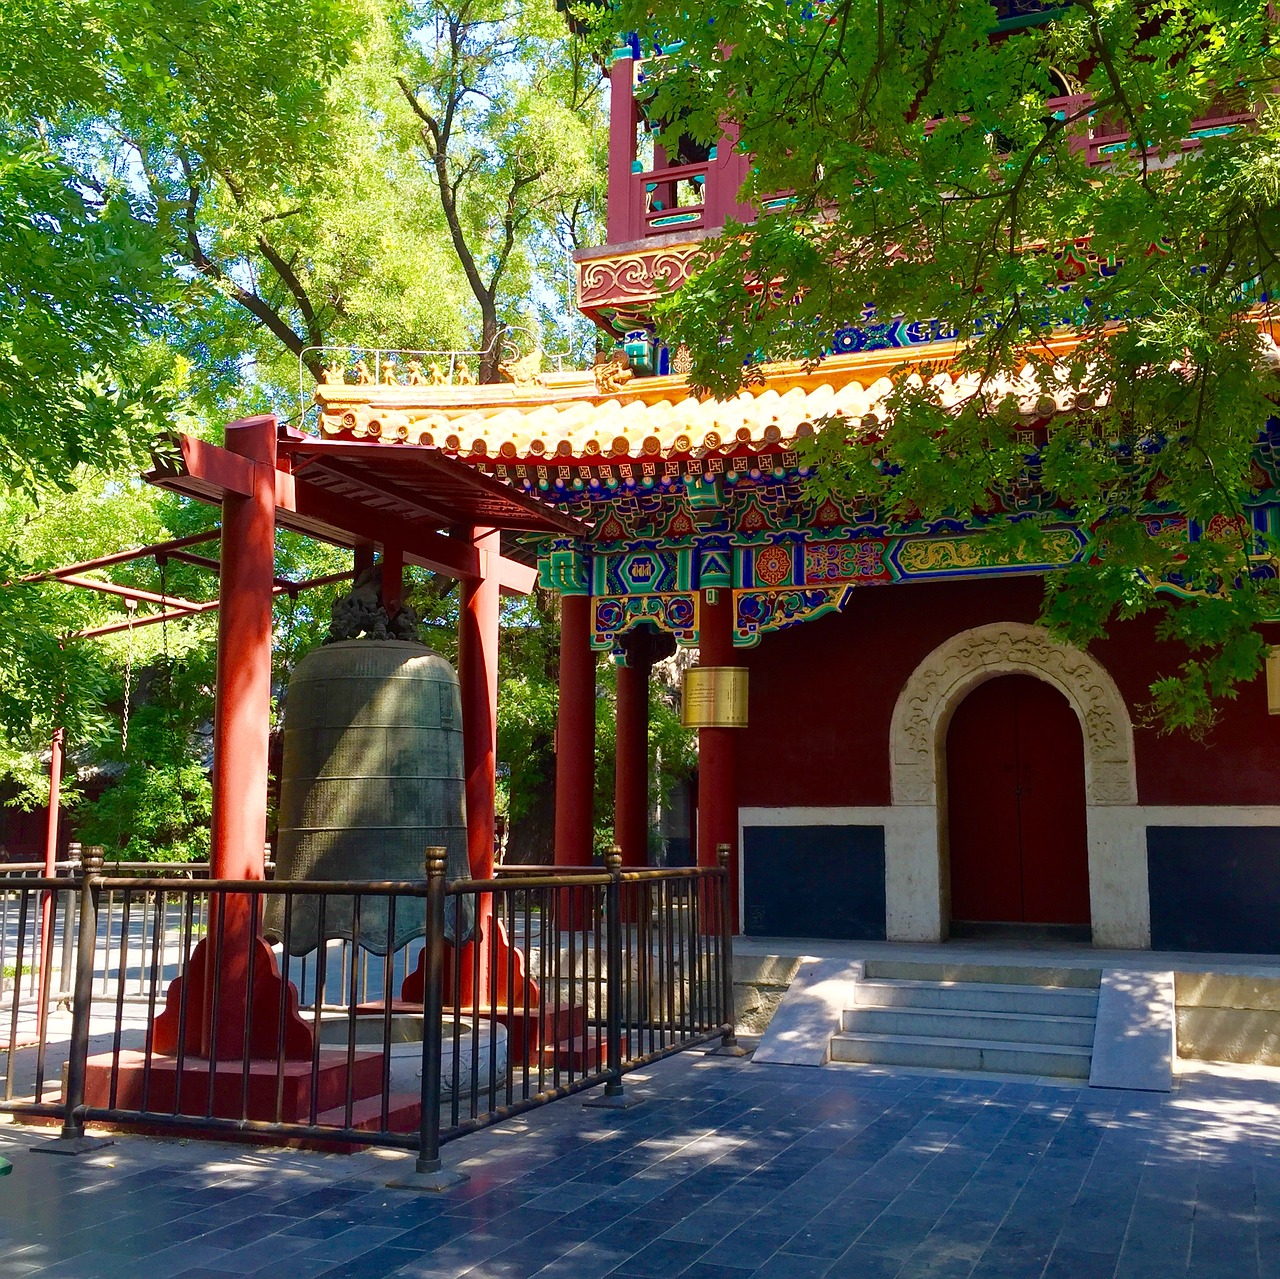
x=973 y=996
x=963 y=1023
x=940 y=1053
x=1003 y=974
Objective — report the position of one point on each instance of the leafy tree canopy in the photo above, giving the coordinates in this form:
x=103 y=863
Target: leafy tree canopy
x=272 y=158
x=194 y=195
x=937 y=166
x=80 y=280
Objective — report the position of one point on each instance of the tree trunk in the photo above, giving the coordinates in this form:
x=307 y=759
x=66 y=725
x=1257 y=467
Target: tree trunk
x=531 y=840
x=489 y=344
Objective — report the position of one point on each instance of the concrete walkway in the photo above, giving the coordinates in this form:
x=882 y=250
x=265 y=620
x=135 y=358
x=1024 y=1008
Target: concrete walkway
x=728 y=1170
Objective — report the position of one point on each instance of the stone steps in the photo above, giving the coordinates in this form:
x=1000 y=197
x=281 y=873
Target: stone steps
x=963 y=1023
x=582 y=1053
x=1062 y=1060
x=978 y=996
x=998 y=1018
x=403 y=1111
x=1056 y=975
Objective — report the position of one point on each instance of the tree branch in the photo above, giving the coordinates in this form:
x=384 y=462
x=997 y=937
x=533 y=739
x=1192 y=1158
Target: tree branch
x=258 y=307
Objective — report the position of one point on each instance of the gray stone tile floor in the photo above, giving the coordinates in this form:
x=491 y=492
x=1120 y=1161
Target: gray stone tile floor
x=727 y=1171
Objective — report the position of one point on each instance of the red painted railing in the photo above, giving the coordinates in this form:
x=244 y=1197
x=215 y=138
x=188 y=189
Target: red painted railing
x=1105 y=138
x=687 y=198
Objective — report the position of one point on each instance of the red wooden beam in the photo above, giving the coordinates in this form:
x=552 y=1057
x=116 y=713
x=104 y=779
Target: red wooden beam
x=282 y=587
x=306 y=508
x=230 y=472
x=127 y=592
x=203 y=561
x=123 y=557
x=303 y=507
x=513 y=577
x=542 y=518
x=149 y=619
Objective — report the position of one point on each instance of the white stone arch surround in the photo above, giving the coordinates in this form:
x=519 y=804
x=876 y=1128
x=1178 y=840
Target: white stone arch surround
x=916 y=873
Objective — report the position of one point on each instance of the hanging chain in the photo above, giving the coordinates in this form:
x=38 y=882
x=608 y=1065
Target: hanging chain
x=131 y=605
x=288 y=634
x=163 y=562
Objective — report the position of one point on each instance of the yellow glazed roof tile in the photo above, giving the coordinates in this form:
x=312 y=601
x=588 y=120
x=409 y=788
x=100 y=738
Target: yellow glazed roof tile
x=567 y=418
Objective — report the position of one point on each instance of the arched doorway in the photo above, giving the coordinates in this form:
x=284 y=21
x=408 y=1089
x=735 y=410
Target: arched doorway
x=1017 y=828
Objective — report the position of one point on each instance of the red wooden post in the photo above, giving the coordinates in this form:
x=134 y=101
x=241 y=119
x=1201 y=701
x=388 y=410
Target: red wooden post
x=717 y=748
x=241 y=726
x=575 y=734
x=725 y=176
x=624 y=218
x=242 y=709
x=361 y=558
x=631 y=779
x=478 y=676
x=56 y=748
x=392 y=577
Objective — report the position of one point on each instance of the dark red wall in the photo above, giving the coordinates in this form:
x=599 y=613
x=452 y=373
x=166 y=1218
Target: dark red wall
x=822 y=695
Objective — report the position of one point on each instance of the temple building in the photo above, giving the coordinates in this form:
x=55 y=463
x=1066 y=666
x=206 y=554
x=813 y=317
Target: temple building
x=890 y=743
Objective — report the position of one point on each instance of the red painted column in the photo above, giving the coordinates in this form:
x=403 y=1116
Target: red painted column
x=478 y=676
x=242 y=707
x=575 y=734
x=624 y=215
x=241 y=724
x=361 y=558
x=56 y=748
x=241 y=727
x=392 y=577
x=631 y=779
x=717 y=748
x=727 y=172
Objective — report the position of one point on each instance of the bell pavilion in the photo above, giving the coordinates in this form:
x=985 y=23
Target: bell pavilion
x=888 y=741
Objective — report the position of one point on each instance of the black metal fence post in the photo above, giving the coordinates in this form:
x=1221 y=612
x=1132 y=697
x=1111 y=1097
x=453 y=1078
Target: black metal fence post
x=729 y=1046
x=615 y=1098
x=72 y=1141
x=429 y=1172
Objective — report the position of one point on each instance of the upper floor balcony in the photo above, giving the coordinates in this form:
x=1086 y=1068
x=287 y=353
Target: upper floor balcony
x=666 y=193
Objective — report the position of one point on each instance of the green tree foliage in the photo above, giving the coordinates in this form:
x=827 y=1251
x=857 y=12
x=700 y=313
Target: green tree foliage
x=194 y=194
x=250 y=138
x=80 y=280
x=151 y=798
x=271 y=153
x=930 y=175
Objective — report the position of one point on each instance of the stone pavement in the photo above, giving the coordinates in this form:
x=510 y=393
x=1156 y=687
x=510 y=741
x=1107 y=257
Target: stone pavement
x=728 y=1171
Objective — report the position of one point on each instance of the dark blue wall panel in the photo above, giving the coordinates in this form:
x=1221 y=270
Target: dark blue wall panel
x=813 y=881
x=1214 y=888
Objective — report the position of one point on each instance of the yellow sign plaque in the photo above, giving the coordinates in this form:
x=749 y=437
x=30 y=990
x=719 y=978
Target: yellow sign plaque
x=715 y=697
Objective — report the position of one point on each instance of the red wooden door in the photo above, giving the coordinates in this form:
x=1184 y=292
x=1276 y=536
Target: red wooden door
x=1016 y=806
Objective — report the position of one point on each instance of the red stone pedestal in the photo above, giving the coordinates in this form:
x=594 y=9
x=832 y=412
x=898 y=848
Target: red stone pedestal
x=195 y=988
x=168 y=1092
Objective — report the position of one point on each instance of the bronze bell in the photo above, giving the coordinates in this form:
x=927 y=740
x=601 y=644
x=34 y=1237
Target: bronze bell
x=372 y=775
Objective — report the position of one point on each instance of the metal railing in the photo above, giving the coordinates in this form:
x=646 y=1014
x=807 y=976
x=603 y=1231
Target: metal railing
x=183 y=1015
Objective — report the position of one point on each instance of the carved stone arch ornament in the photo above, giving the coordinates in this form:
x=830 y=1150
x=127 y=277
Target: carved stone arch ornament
x=938 y=684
